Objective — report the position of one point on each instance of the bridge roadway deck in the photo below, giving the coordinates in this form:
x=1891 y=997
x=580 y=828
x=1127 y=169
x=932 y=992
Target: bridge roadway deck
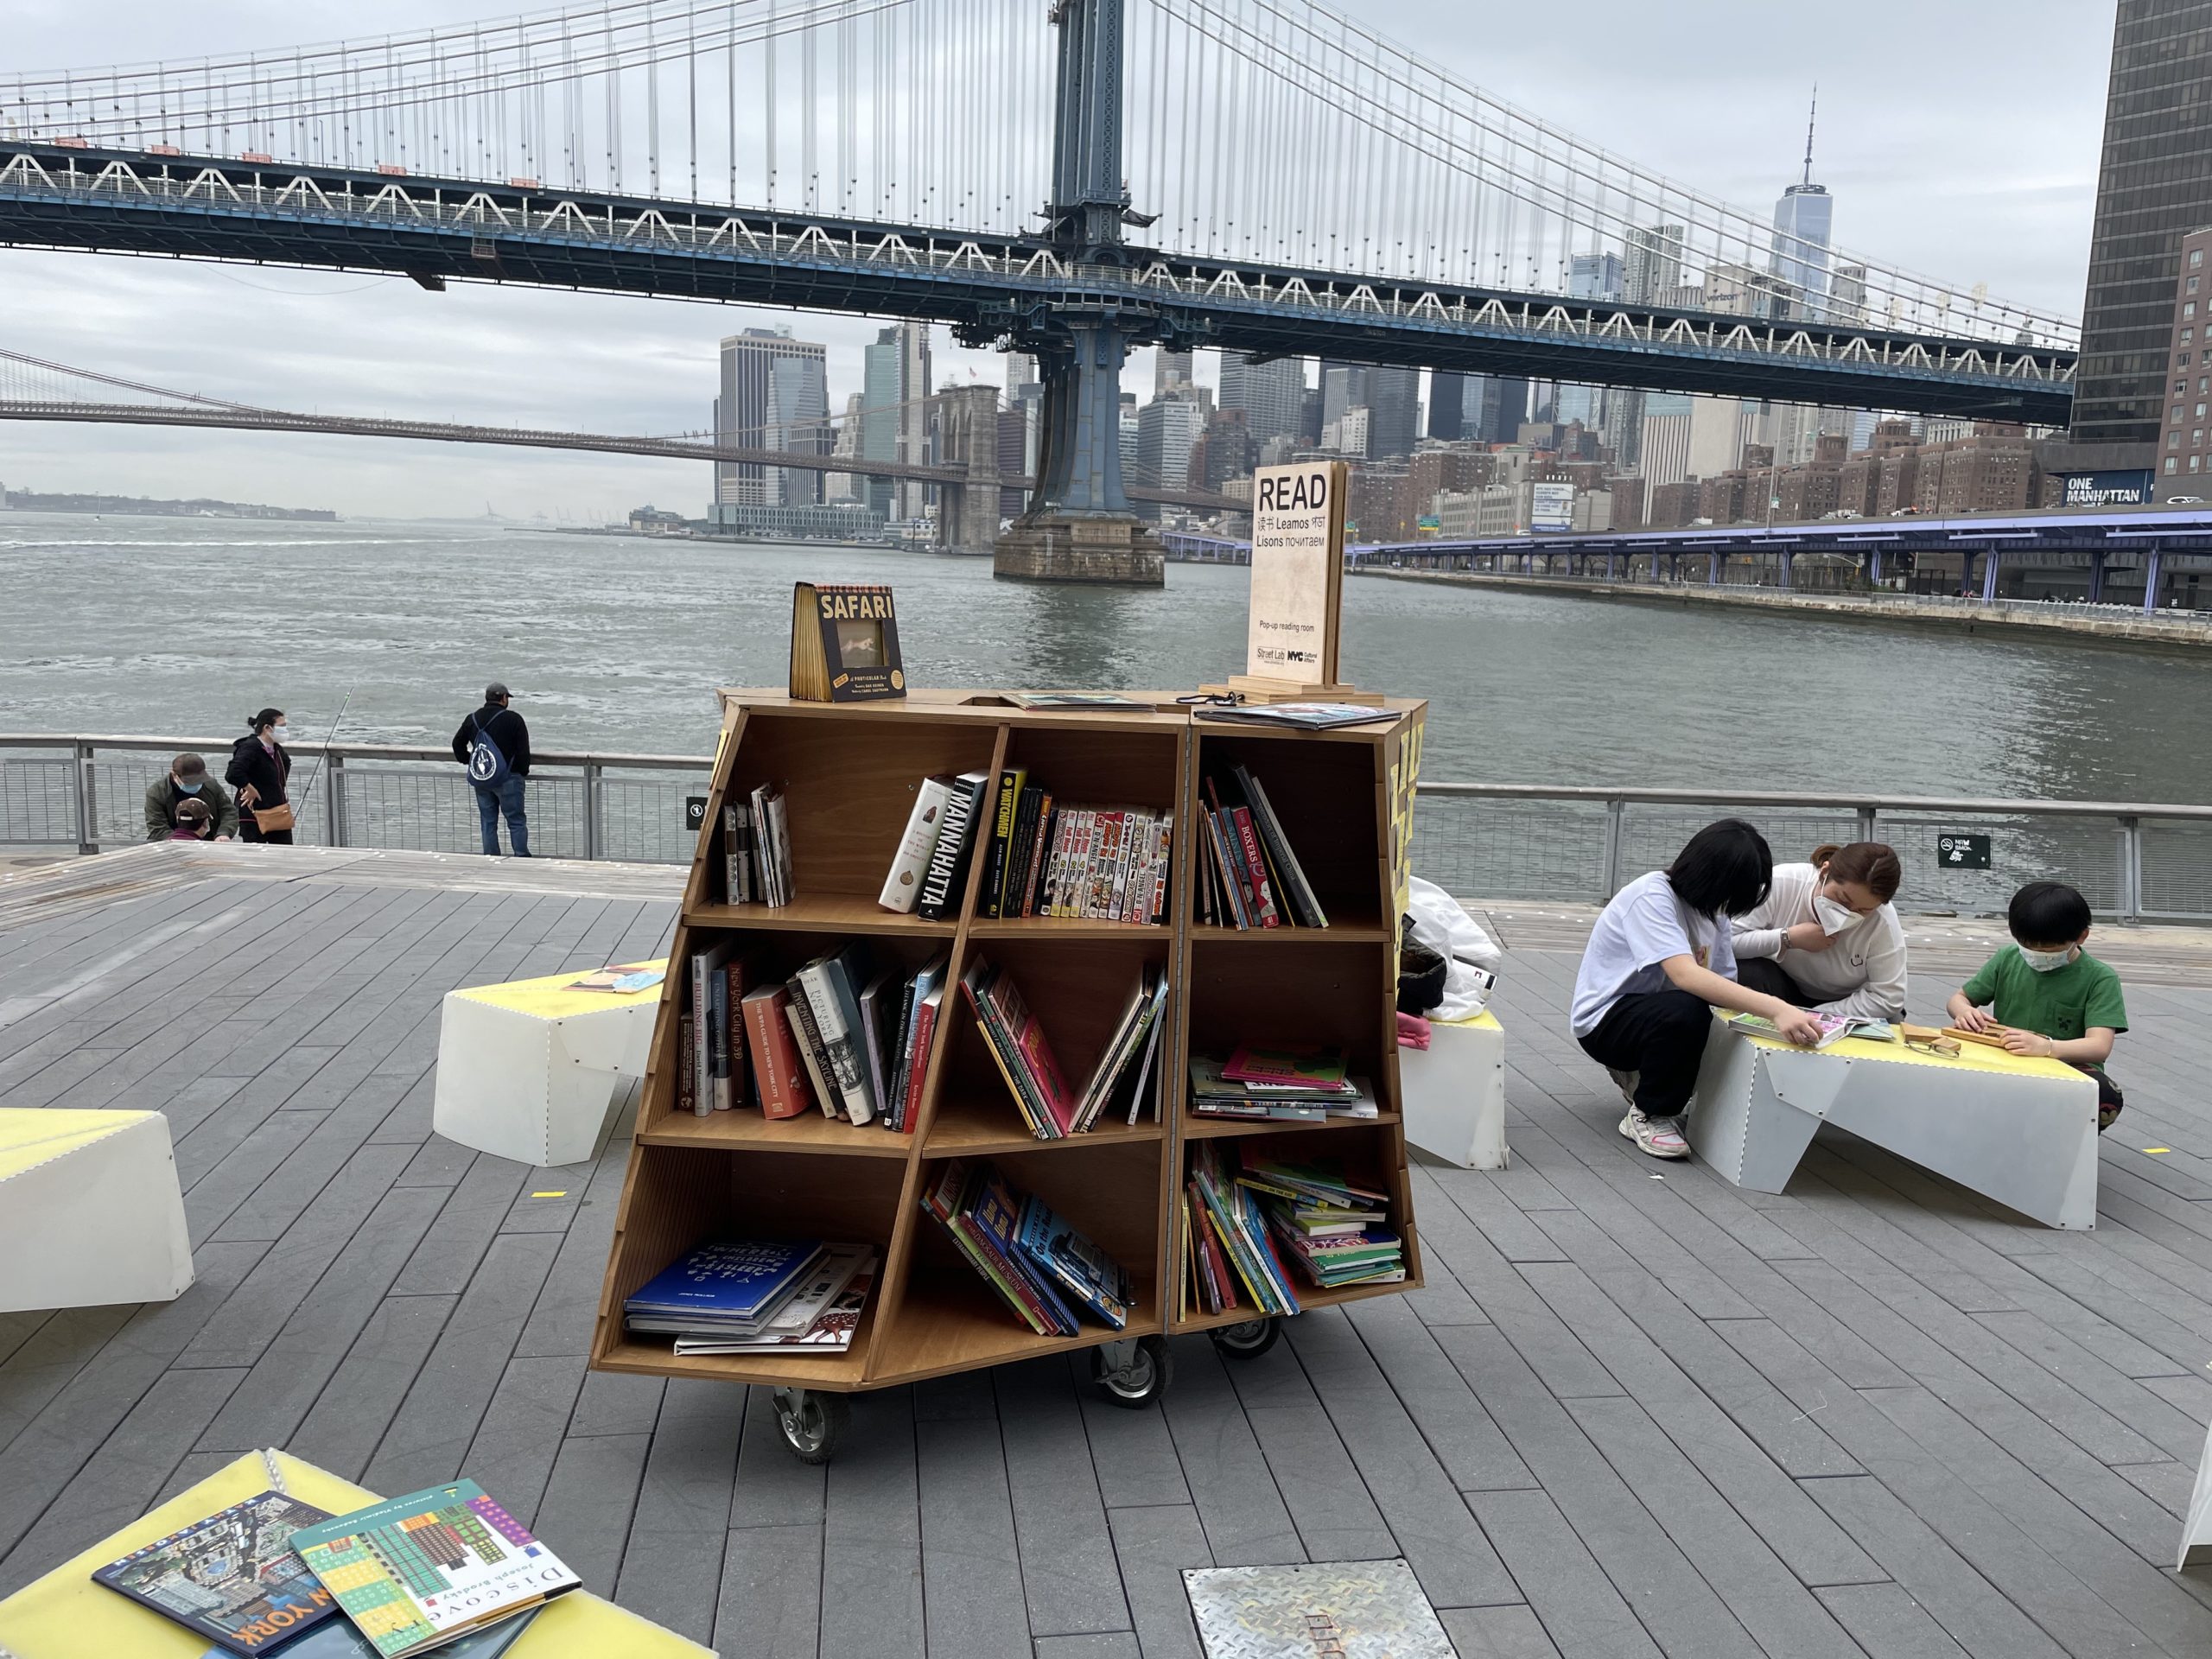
x=1635 y=1411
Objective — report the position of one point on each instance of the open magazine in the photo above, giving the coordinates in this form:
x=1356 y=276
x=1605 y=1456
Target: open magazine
x=1834 y=1027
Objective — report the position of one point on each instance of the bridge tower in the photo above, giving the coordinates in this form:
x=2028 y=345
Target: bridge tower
x=1079 y=526
x=968 y=512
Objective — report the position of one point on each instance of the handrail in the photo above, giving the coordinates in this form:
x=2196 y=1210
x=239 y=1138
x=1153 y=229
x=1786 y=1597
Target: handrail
x=1800 y=801
x=350 y=751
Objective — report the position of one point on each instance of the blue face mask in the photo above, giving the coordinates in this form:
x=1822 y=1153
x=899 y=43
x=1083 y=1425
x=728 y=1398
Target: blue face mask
x=189 y=789
x=2046 y=962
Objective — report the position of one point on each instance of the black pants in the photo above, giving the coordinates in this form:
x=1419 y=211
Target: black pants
x=1765 y=973
x=1661 y=1036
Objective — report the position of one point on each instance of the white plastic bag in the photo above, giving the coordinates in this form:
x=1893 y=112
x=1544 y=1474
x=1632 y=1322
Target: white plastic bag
x=1471 y=958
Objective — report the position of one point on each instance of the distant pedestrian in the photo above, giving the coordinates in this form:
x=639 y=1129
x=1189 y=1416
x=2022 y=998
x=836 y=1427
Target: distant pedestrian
x=493 y=743
x=185 y=781
x=260 y=764
x=193 y=822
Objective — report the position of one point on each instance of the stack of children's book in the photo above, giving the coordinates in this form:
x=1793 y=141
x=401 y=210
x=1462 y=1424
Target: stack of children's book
x=1127 y=1069
x=840 y=1035
x=445 y=1569
x=1040 y=857
x=755 y=1296
x=1282 y=1085
x=1040 y=1267
x=1244 y=1214
x=757 y=849
x=1248 y=875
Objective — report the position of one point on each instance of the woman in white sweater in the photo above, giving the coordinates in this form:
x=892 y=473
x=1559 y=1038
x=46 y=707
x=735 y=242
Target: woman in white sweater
x=1826 y=936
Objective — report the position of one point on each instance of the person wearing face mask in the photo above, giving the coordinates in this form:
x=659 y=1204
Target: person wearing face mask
x=187 y=780
x=2051 y=998
x=1826 y=937
x=259 y=767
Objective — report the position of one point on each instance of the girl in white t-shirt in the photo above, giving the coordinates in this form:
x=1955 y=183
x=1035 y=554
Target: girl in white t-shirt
x=1826 y=936
x=1661 y=958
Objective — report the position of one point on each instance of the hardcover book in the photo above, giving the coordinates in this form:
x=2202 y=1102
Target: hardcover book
x=775 y=1065
x=235 y=1577
x=902 y=888
x=844 y=643
x=1011 y=783
x=1054 y=1248
x=943 y=884
x=742 y=1283
x=416 y=1571
x=340 y=1639
x=805 y=1322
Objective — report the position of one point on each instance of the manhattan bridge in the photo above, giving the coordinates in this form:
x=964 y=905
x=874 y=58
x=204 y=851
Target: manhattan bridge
x=1069 y=180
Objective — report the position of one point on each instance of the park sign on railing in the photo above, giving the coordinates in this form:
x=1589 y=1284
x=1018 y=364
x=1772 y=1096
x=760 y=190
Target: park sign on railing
x=1490 y=842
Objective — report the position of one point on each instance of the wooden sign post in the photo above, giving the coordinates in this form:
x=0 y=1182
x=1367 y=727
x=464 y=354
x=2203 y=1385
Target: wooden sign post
x=1298 y=581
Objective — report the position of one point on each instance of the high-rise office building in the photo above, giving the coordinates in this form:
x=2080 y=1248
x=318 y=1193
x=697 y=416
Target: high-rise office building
x=1170 y=370
x=1847 y=295
x=2154 y=187
x=775 y=394
x=1268 y=394
x=1803 y=221
x=896 y=389
x=1495 y=406
x=1166 y=430
x=1447 y=405
x=1595 y=277
x=1654 y=265
x=1391 y=397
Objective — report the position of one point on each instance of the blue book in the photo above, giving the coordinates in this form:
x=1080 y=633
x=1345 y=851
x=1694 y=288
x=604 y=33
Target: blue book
x=997 y=1213
x=1058 y=1251
x=735 y=1284
x=343 y=1640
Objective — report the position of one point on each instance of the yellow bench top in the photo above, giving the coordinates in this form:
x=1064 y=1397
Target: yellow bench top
x=1972 y=1057
x=66 y=1616
x=31 y=1135
x=1485 y=1020
x=550 y=997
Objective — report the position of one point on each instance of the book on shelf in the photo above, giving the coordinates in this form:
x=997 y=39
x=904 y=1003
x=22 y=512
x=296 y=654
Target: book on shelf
x=709 y=1025
x=919 y=1007
x=902 y=886
x=1336 y=1230
x=1031 y=1256
x=944 y=882
x=772 y=849
x=234 y=1578
x=418 y=1572
x=1089 y=863
x=740 y=851
x=1075 y=699
x=878 y=999
x=1298 y=716
x=687 y=1067
x=1018 y=1044
x=813 y=1053
x=999 y=846
x=779 y=1073
x=828 y=983
x=1249 y=875
x=1213 y=1095
x=1124 y=1065
x=1239 y=1231
x=737 y=1287
x=819 y=1316
x=844 y=643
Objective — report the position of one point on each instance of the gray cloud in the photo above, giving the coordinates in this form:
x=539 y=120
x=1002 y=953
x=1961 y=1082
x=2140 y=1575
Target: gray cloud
x=1965 y=148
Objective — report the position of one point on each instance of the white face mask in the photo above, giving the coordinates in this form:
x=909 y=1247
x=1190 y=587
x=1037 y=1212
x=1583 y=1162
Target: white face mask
x=2045 y=962
x=1834 y=919
x=279 y=733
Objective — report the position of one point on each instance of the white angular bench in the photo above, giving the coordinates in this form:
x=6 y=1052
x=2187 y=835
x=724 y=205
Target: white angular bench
x=530 y=1070
x=91 y=1213
x=1453 y=1092
x=2021 y=1131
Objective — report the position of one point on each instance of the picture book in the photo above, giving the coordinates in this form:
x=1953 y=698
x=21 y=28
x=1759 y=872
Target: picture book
x=797 y=1323
x=1072 y=700
x=1304 y=716
x=1834 y=1027
x=1080 y=1265
x=625 y=980
x=844 y=643
x=339 y=1638
x=1253 y=1063
x=235 y=1577
x=413 y=1572
x=740 y=1284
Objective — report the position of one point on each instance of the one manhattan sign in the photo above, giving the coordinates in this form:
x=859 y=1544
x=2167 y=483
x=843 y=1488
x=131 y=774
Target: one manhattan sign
x=1298 y=575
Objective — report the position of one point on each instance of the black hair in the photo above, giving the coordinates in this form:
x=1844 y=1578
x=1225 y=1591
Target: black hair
x=266 y=717
x=2047 y=912
x=1723 y=870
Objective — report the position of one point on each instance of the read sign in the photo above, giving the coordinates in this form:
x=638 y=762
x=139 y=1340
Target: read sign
x=1298 y=564
x=1962 y=852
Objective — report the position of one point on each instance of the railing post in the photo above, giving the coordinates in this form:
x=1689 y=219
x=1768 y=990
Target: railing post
x=591 y=809
x=1866 y=823
x=2131 y=869
x=87 y=821
x=334 y=805
x=1613 y=810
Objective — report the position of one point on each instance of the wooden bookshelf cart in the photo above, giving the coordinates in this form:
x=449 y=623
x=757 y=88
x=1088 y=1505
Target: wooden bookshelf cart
x=848 y=772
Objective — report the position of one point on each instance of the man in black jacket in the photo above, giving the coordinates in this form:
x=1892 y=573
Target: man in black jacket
x=497 y=724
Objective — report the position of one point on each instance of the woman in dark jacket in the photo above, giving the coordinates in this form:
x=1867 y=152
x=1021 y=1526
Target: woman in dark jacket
x=259 y=767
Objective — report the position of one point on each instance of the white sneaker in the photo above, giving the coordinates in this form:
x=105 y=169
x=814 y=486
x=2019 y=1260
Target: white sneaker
x=1660 y=1137
x=1625 y=1082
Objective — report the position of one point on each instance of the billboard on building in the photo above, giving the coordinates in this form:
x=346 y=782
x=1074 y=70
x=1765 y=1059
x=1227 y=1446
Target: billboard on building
x=1551 y=506
x=2110 y=489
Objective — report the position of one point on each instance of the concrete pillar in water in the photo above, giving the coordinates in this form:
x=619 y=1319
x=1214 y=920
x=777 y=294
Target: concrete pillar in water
x=2152 y=575
x=2096 y=576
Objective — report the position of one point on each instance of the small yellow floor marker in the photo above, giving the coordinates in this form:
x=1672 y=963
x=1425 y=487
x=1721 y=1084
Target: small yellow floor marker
x=562 y=1194
x=2157 y=1149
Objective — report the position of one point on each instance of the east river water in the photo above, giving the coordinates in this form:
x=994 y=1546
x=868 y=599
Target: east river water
x=176 y=625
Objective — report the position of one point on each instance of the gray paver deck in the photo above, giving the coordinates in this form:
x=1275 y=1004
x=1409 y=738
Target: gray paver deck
x=1636 y=1411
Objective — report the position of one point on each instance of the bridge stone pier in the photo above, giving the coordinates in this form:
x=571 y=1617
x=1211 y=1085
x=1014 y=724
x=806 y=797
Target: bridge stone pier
x=968 y=512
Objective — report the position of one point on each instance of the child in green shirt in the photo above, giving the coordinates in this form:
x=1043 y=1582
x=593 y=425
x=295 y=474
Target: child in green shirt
x=2059 y=1002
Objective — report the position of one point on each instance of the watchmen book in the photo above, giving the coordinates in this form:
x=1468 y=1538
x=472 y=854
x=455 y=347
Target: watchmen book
x=844 y=643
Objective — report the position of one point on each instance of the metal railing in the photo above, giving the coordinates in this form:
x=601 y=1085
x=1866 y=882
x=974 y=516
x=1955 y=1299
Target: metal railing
x=88 y=791
x=2134 y=861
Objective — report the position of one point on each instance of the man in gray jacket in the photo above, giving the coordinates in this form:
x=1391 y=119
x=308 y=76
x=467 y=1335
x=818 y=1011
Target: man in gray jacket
x=187 y=780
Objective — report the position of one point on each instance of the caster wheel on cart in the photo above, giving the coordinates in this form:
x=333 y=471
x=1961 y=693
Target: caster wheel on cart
x=1132 y=1373
x=812 y=1422
x=1247 y=1340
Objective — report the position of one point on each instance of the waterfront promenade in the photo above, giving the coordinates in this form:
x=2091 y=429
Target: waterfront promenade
x=1634 y=1412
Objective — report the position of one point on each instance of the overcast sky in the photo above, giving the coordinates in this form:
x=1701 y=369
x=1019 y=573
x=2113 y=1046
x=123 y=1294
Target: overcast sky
x=1960 y=142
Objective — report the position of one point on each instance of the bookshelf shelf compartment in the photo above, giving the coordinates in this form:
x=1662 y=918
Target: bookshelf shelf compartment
x=849 y=774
